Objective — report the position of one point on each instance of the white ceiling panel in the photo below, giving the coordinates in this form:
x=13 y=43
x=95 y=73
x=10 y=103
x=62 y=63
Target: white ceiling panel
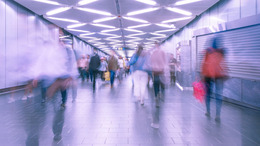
x=158 y=16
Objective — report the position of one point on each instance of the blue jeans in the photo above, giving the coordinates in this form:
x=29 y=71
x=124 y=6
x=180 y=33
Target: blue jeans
x=157 y=84
x=112 y=76
x=209 y=82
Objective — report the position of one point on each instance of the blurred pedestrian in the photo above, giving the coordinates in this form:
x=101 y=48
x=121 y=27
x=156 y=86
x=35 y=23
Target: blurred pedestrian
x=82 y=63
x=112 y=67
x=103 y=68
x=93 y=67
x=213 y=72
x=140 y=75
x=158 y=64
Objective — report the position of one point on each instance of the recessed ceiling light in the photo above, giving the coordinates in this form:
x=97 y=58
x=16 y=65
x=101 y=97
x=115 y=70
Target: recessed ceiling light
x=113 y=37
x=102 y=25
x=114 y=42
x=87 y=34
x=167 y=30
x=135 y=19
x=183 y=2
x=132 y=37
x=149 y=2
x=134 y=40
x=142 y=25
x=136 y=34
x=63 y=19
x=48 y=2
x=92 y=38
x=56 y=11
x=141 y=11
x=133 y=30
x=107 y=34
x=77 y=30
x=180 y=11
x=76 y=25
x=166 y=25
x=84 y=2
x=158 y=34
x=104 y=19
x=109 y=30
x=94 y=11
x=176 y=19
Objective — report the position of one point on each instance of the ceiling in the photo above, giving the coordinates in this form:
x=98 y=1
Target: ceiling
x=113 y=24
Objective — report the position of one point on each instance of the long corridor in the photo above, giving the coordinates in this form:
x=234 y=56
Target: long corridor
x=114 y=117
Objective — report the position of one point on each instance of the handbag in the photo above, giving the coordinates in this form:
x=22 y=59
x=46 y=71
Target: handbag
x=107 y=76
x=199 y=91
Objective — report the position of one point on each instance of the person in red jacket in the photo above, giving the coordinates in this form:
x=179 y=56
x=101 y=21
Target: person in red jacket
x=213 y=72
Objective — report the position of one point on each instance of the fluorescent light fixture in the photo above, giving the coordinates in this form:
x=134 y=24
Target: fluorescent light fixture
x=159 y=37
x=107 y=34
x=135 y=19
x=136 y=34
x=87 y=34
x=84 y=2
x=78 y=30
x=94 y=39
x=63 y=19
x=65 y=36
x=180 y=11
x=94 y=11
x=158 y=34
x=102 y=25
x=183 y=2
x=141 y=11
x=132 y=37
x=166 y=25
x=99 y=43
x=134 y=40
x=48 y=2
x=149 y=2
x=176 y=19
x=152 y=39
x=133 y=30
x=87 y=37
x=76 y=25
x=56 y=11
x=114 y=42
x=114 y=37
x=109 y=30
x=142 y=25
x=104 y=19
x=167 y=30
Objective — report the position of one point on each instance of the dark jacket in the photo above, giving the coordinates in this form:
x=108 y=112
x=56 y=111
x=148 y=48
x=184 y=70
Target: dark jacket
x=94 y=63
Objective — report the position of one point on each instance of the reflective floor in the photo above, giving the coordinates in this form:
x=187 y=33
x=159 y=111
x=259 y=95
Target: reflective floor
x=114 y=117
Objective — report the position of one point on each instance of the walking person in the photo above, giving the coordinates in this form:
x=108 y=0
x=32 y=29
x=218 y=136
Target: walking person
x=93 y=67
x=103 y=68
x=213 y=72
x=140 y=75
x=82 y=62
x=112 y=67
x=158 y=64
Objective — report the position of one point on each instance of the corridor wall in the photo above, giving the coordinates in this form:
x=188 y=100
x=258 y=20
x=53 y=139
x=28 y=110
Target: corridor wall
x=237 y=89
x=21 y=39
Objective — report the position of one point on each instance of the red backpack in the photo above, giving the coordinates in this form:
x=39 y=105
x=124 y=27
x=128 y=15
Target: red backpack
x=213 y=65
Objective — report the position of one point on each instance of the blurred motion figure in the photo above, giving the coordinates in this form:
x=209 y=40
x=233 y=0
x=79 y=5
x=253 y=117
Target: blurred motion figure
x=213 y=72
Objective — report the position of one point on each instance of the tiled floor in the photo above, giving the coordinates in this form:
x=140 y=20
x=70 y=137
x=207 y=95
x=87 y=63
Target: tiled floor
x=114 y=117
